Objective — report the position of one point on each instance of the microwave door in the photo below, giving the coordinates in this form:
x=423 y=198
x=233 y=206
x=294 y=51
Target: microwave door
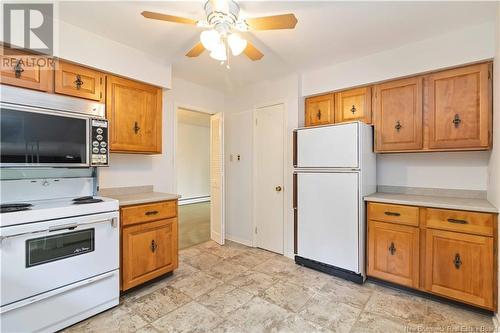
x=36 y=137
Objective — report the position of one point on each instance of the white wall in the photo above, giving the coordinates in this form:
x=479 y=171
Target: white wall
x=159 y=170
x=454 y=48
x=239 y=187
x=84 y=47
x=193 y=160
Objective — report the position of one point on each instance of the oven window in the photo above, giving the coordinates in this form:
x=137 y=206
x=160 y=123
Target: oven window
x=36 y=138
x=51 y=248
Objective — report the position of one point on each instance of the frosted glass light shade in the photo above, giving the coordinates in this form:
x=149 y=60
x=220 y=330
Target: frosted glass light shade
x=219 y=52
x=237 y=44
x=210 y=39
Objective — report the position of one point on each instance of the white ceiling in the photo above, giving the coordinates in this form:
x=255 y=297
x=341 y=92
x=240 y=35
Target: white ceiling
x=327 y=32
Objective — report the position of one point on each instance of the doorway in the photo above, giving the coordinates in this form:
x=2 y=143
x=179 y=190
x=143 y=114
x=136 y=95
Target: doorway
x=199 y=176
x=269 y=177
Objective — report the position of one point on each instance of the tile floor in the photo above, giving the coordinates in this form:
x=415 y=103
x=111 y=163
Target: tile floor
x=240 y=289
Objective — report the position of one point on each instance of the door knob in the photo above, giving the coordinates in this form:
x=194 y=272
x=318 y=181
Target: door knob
x=278 y=188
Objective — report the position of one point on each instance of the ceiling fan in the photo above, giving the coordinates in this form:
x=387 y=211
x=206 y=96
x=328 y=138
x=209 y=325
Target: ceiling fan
x=223 y=26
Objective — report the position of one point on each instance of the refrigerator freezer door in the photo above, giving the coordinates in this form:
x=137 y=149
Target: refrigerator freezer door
x=328 y=221
x=328 y=147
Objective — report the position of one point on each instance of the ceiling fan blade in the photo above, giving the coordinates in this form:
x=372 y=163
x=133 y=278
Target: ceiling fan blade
x=285 y=21
x=252 y=52
x=169 y=18
x=196 y=50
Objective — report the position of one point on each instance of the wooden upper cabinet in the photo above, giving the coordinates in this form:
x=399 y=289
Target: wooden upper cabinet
x=460 y=266
x=459 y=108
x=398 y=115
x=319 y=110
x=134 y=111
x=78 y=81
x=354 y=104
x=27 y=71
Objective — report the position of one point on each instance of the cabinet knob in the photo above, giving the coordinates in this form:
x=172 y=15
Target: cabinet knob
x=318 y=114
x=18 y=69
x=78 y=82
x=457 y=261
x=456 y=120
x=153 y=246
x=398 y=126
x=136 y=127
x=353 y=109
x=392 y=248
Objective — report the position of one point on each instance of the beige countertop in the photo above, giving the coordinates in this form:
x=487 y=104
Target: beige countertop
x=476 y=204
x=136 y=195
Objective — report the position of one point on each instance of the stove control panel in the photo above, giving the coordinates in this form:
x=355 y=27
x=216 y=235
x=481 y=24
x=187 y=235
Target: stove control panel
x=99 y=154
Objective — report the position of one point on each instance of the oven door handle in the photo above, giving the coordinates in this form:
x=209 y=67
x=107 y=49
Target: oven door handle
x=70 y=226
x=52 y=293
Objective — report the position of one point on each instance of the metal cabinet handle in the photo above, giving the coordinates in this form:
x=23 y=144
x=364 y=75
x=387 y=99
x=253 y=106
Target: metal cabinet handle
x=458 y=221
x=153 y=246
x=318 y=114
x=18 y=69
x=392 y=214
x=457 y=261
x=136 y=127
x=151 y=212
x=353 y=109
x=398 y=126
x=78 y=82
x=456 y=120
x=392 y=248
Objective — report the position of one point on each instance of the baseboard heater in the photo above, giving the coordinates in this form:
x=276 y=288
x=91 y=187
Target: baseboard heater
x=329 y=269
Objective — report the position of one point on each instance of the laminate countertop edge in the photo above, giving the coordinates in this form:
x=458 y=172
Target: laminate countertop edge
x=475 y=205
x=142 y=198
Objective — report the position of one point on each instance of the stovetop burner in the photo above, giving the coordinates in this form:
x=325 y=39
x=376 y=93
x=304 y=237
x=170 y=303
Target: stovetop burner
x=14 y=207
x=86 y=200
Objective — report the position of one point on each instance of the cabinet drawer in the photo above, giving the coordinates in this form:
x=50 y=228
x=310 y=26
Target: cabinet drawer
x=393 y=213
x=148 y=212
x=453 y=220
x=393 y=253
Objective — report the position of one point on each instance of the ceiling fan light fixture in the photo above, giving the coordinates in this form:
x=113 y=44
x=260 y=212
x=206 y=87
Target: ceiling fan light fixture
x=210 y=39
x=219 y=52
x=236 y=44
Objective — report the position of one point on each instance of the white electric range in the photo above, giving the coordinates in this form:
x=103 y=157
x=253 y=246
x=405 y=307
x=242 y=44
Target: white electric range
x=59 y=251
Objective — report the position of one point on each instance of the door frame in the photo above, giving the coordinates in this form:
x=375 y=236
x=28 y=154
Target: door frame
x=175 y=133
x=254 y=165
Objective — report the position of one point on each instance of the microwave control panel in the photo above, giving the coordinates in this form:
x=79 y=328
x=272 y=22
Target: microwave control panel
x=99 y=154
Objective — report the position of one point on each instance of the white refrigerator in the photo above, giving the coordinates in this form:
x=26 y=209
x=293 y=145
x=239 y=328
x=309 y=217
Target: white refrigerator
x=335 y=167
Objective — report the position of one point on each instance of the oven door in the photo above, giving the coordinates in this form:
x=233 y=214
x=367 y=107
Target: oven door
x=40 y=137
x=39 y=257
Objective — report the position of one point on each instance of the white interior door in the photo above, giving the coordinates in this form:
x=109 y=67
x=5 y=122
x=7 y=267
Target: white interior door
x=268 y=178
x=216 y=179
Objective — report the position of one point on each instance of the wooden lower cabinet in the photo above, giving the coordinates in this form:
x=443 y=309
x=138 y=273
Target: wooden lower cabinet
x=393 y=253
x=149 y=249
x=449 y=253
x=460 y=266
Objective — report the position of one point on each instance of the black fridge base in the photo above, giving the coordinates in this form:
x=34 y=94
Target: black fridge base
x=329 y=269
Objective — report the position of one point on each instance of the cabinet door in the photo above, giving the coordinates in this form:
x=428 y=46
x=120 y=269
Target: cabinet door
x=459 y=108
x=319 y=110
x=134 y=112
x=354 y=104
x=148 y=250
x=27 y=71
x=78 y=81
x=460 y=266
x=393 y=252
x=398 y=115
